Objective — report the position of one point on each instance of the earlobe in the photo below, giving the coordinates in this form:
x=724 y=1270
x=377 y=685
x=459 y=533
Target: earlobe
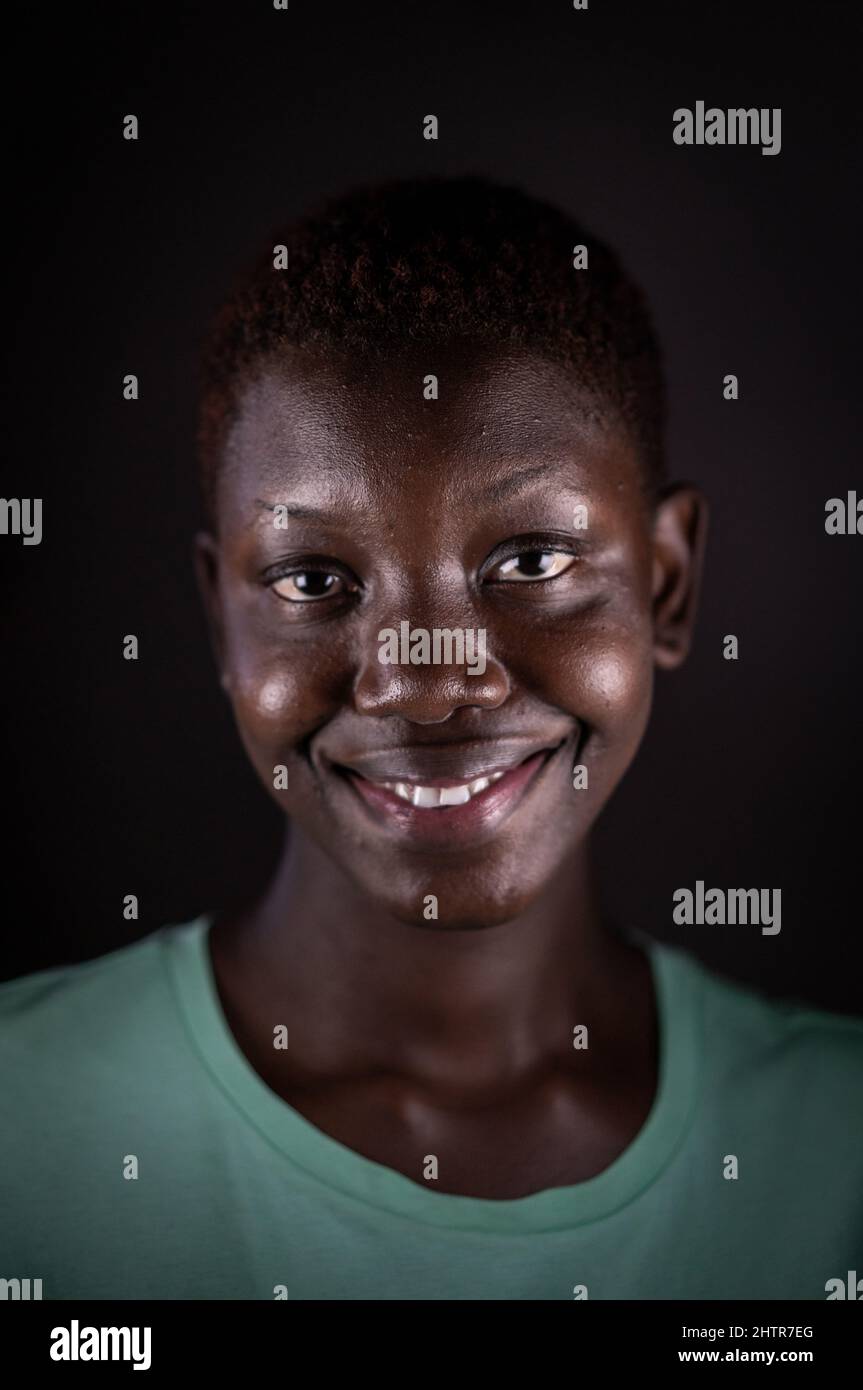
x=206 y=557
x=679 y=535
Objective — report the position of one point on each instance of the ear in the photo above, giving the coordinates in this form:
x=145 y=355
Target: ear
x=206 y=557
x=679 y=536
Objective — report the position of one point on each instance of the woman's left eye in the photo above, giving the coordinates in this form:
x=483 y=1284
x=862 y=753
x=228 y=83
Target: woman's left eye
x=533 y=565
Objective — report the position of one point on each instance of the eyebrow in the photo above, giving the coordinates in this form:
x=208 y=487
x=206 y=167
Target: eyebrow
x=304 y=513
x=502 y=487
x=494 y=492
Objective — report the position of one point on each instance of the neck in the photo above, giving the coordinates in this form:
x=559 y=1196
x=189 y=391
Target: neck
x=355 y=983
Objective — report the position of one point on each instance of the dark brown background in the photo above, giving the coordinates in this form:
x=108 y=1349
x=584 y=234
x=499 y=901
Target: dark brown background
x=127 y=777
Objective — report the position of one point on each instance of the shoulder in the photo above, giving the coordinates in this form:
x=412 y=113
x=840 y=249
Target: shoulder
x=754 y=1017
x=94 y=1013
x=791 y=1053
x=95 y=1066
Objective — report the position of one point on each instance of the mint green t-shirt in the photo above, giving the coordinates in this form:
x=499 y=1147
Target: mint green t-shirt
x=238 y=1196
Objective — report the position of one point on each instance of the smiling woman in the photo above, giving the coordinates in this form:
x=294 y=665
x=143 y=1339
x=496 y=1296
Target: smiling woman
x=432 y=1131
x=495 y=468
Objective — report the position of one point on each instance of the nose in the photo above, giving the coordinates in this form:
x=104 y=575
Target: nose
x=426 y=674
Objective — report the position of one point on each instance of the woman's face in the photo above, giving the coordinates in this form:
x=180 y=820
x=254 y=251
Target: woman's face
x=506 y=509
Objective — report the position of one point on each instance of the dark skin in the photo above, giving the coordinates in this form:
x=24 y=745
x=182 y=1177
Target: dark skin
x=451 y=1036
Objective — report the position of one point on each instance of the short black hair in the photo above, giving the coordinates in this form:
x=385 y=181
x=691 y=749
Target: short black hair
x=430 y=260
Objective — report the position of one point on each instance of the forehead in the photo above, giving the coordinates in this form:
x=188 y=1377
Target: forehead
x=453 y=421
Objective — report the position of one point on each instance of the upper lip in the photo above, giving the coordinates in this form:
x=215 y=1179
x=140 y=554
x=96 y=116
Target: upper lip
x=446 y=764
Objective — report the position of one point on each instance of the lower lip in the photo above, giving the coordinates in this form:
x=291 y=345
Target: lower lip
x=483 y=812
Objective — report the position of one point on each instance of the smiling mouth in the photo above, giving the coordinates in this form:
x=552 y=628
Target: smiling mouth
x=431 y=798
x=448 y=810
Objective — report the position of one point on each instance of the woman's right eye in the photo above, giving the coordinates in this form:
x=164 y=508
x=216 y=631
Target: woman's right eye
x=307 y=586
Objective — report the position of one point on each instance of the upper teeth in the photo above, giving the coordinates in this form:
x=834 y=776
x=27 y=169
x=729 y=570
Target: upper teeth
x=441 y=796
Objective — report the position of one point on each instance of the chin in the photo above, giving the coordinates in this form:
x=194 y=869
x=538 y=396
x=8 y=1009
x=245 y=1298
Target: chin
x=464 y=907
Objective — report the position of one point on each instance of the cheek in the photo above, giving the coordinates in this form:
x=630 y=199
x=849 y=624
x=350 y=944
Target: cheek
x=615 y=681
x=606 y=680
x=281 y=686
x=269 y=701
x=275 y=703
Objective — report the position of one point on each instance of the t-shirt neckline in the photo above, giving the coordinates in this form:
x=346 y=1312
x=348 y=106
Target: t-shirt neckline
x=326 y=1161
